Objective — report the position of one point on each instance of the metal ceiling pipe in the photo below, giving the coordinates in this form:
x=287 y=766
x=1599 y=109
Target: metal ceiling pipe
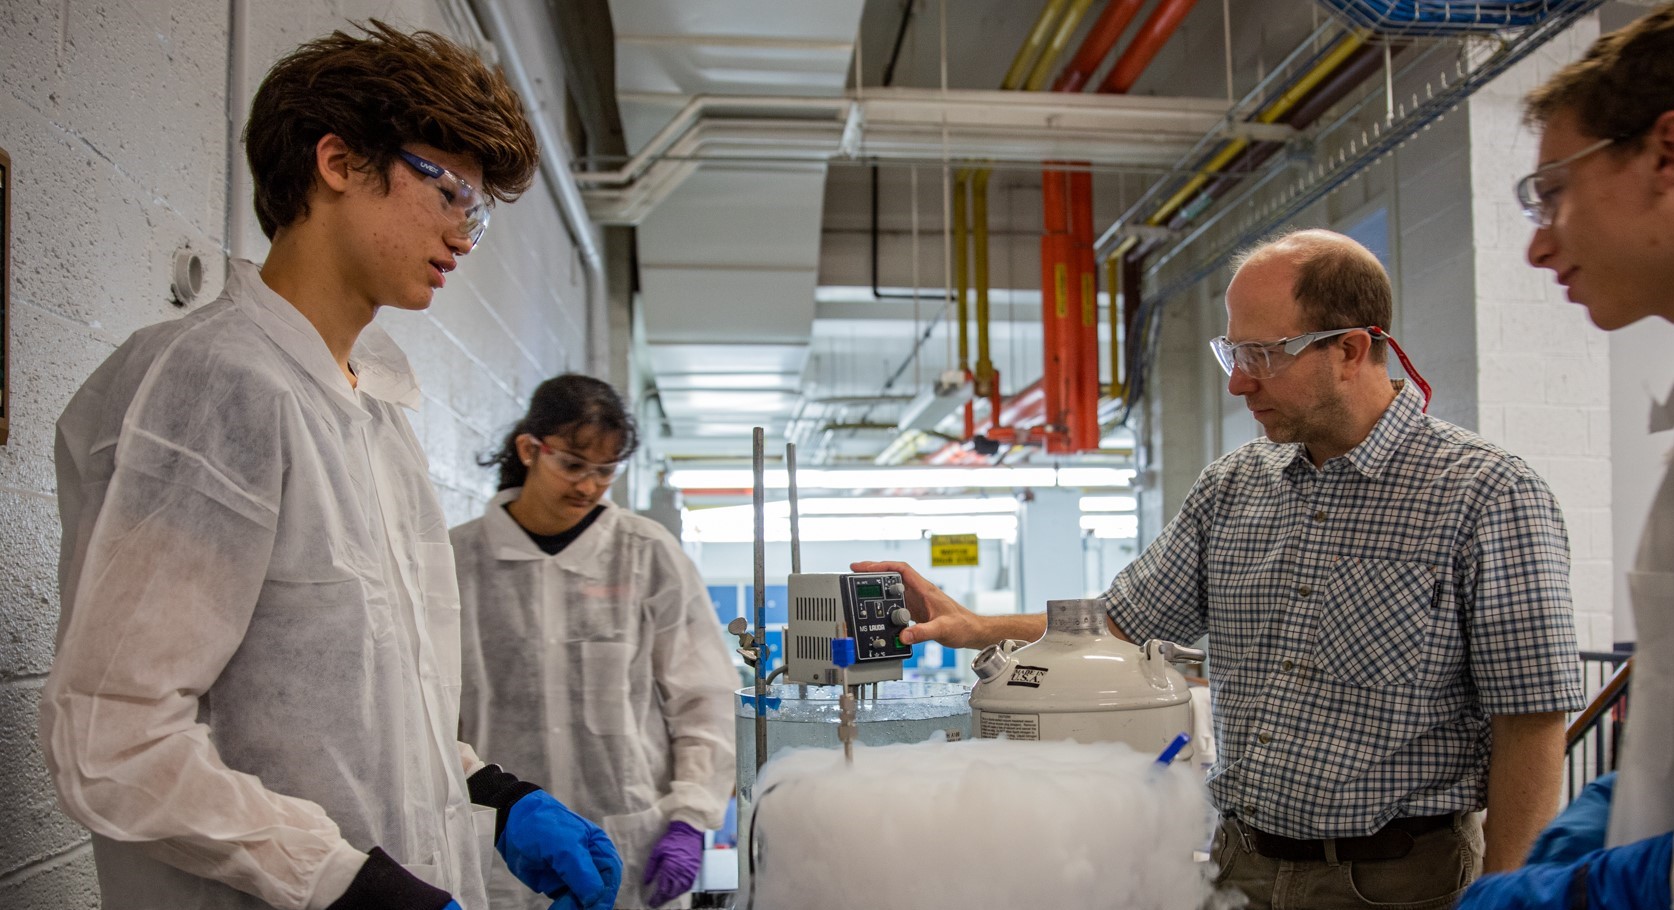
x=1144 y=47
x=1060 y=40
x=961 y=269
x=1346 y=65
x=1067 y=277
x=555 y=166
x=1272 y=114
x=1100 y=39
x=1359 y=67
x=987 y=380
x=1024 y=409
x=1118 y=304
x=1034 y=43
x=1075 y=274
x=1082 y=415
x=1067 y=300
x=1056 y=288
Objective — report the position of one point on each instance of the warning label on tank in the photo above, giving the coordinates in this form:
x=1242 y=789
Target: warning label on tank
x=1022 y=675
x=1010 y=726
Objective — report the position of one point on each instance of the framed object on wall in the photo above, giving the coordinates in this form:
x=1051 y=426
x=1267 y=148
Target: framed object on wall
x=5 y=294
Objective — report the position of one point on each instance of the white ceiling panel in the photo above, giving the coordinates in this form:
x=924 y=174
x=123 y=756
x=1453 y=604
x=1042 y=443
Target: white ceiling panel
x=826 y=19
x=722 y=380
x=746 y=218
x=731 y=68
x=727 y=401
x=718 y=305
x=685 y=359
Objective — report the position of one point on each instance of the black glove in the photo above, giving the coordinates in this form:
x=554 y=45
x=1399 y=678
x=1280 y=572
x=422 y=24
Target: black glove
x=381 y=884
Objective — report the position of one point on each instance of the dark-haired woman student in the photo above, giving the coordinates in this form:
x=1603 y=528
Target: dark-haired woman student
x=591 y=651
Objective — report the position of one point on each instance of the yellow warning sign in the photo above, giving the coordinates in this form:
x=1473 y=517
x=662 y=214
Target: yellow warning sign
x=953 y=550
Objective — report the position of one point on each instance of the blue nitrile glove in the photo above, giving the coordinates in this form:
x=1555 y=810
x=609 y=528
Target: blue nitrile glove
x=1630 y=877
x=549 y=848
x=674 y=863
x=383 y=884
x=1579 y=829
x=559 y=853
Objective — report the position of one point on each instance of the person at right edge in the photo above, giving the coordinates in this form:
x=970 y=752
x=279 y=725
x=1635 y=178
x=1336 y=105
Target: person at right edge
x=1386 y=597
x=255 y=697
x=1602 y=200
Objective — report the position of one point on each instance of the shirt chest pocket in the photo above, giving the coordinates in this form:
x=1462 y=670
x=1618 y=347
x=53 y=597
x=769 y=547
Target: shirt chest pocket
x=1376 y=612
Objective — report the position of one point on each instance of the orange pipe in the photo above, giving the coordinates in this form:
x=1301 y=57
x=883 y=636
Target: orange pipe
x=1066 y=210
x=1071 y=335
x=1057 y=285
x=1083 y=376
x=1144 y=47
x=1100 y=39
x=1026 y=407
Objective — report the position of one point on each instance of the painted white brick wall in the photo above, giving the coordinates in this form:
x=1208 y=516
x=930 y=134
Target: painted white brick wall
x=1543 y=371
x=115 y=117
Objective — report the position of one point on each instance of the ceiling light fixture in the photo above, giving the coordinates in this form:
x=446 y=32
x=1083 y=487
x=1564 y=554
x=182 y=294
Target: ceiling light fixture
x=905 y=478
x=945 y=395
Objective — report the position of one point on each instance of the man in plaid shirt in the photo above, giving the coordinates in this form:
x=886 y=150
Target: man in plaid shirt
x=1387 y=602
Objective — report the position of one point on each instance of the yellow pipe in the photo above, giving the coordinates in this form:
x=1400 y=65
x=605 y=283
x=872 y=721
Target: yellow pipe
x=1033 y=44
x=1060 y=40
x=960 y=269
x=1274 y=111
x=1051 y=22
x=979 y=239
x=1113 y=281
x=1118 y=301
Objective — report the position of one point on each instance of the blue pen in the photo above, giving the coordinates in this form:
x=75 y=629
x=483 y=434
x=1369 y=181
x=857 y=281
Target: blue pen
x=1173 y=749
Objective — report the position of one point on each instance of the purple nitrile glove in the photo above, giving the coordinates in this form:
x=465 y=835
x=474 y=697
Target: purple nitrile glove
x=674 y=862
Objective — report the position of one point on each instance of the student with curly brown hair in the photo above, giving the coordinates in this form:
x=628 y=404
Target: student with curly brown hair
x=1602 y=202
x=255 y=696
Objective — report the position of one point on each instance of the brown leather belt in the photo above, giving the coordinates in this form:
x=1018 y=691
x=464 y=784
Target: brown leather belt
x=1392 y=841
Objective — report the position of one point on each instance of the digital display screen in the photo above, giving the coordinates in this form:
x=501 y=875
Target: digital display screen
x=869 y=589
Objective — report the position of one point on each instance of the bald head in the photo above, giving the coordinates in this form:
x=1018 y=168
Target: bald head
x=1339 y=284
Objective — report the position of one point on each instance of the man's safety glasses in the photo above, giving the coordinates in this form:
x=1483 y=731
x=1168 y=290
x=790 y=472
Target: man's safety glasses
x=576 y=470
x=472 y=205
x=1539 y=191
x=1266 y=359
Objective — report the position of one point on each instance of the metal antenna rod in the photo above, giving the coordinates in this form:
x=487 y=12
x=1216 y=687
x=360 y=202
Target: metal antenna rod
x=757 y=458
x=796 y=522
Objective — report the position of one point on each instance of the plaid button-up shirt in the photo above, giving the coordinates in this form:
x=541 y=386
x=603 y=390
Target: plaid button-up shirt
x=1365 y=619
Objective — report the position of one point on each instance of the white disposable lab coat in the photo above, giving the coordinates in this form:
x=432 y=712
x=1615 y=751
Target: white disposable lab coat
x=258 y=655
x=602 y=668
x=1643 y=804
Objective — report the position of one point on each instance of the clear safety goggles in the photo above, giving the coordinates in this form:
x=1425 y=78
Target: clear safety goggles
x=1266 y=359
x=1538 y=192
x=458 y=196
x=577 y=470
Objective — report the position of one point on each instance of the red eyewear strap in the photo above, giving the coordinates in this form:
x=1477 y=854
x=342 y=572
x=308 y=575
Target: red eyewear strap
x=1379 y=334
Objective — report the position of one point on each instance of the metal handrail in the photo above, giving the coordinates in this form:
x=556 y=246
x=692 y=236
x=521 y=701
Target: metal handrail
x=1614 y=691
x=1592 y=741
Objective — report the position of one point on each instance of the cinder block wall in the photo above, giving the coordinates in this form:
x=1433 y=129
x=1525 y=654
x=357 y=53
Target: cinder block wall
x=1543 y=370
x=115 y=116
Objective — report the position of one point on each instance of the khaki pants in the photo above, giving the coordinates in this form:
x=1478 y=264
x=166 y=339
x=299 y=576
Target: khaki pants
x=1432 y=877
